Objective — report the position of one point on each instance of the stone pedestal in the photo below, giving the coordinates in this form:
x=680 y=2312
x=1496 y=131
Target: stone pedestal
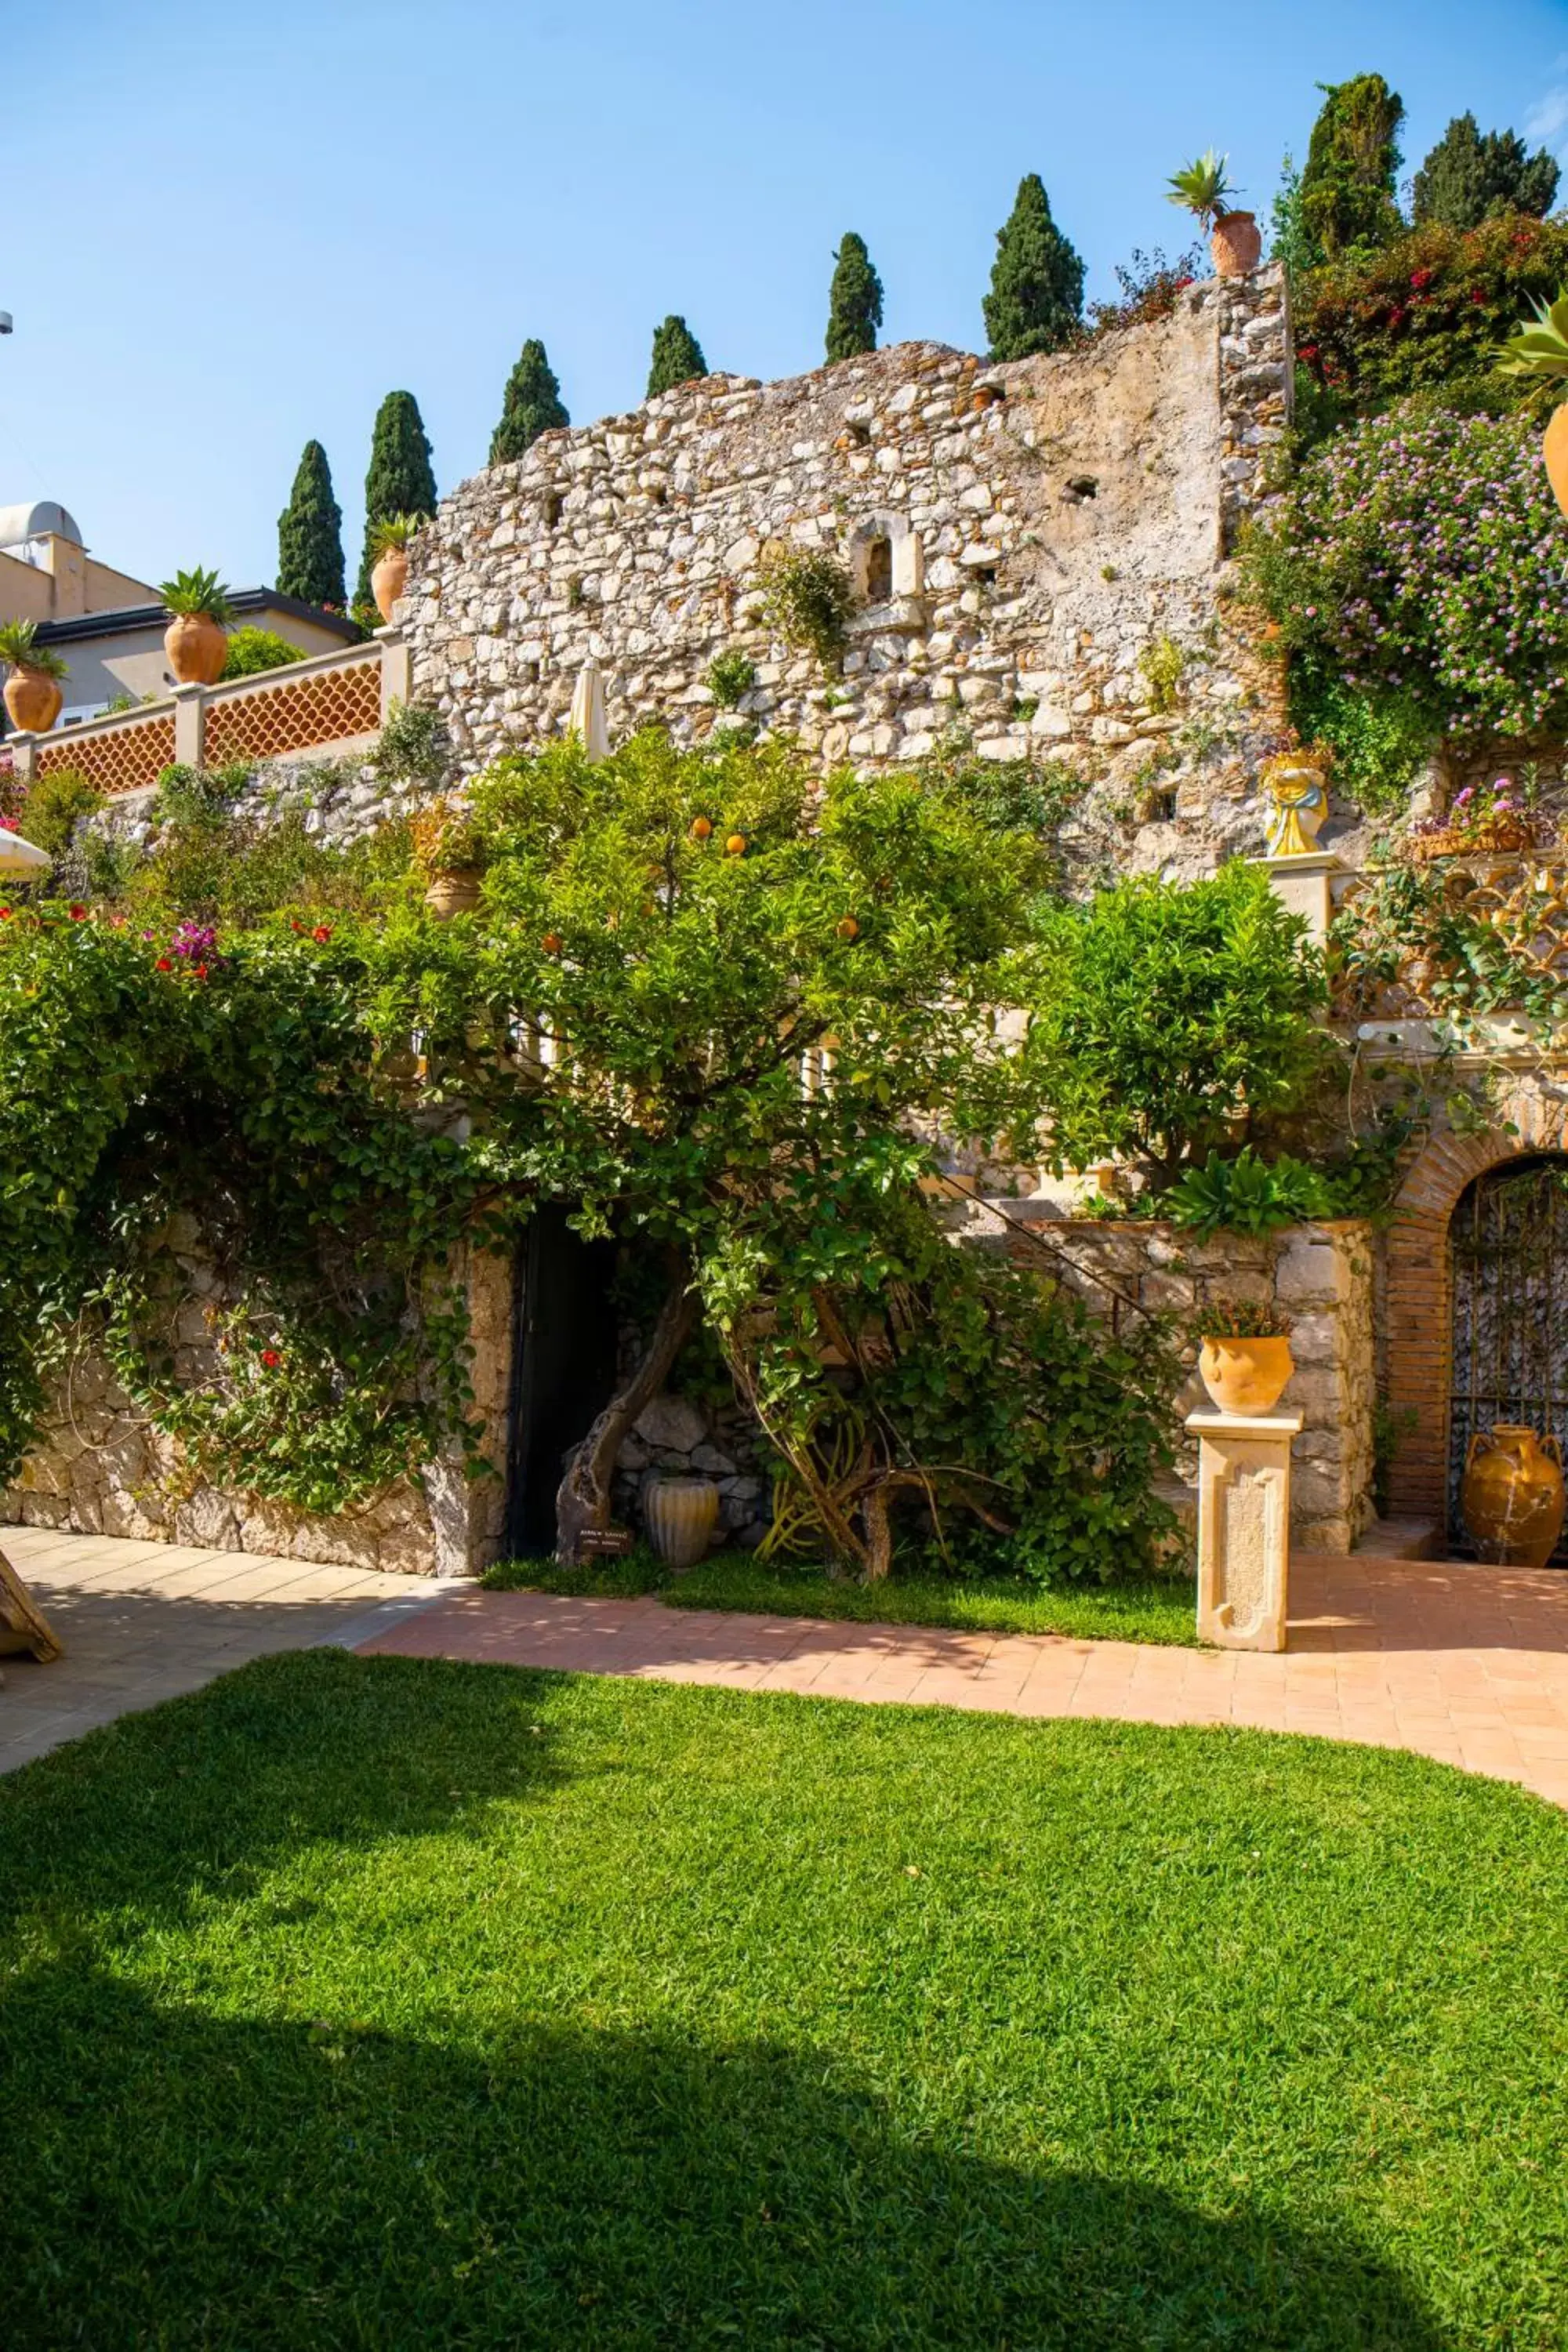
x=1244 y=1526
x=1305 y=885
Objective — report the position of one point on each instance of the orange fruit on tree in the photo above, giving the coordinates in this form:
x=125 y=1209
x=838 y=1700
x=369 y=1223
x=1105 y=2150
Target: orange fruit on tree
x=849 y=929
x=701 y=826
x=551 y=942
x=736 y=845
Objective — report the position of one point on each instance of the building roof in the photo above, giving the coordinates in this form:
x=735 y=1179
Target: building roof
x=35 y=519
x=245 y=603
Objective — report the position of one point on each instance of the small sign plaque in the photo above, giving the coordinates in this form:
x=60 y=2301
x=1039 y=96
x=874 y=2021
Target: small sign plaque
x=605 y=1543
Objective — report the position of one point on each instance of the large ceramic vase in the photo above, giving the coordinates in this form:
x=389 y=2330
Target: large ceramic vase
x=680 y=1515
x=33 y=701
x=1245 y=1375
x=1237 y=245
x=1511 y=1496
x=197 y=647
x=1555 y=450
x=388 y=579
x=457 y=891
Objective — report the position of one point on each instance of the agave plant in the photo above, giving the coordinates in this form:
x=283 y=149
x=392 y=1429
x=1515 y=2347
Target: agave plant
x=1538 y=351
x=20 y=646
x=394 y=531
x=1203 y=188
x=196 y=595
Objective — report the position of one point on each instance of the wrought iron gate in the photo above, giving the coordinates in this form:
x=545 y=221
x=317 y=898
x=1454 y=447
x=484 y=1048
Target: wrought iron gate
x=1509 y=1249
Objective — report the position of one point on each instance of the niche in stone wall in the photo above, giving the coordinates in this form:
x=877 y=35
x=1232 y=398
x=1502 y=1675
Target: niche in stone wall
x=886 y=558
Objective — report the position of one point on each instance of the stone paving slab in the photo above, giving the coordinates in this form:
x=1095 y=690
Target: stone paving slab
x=145 y=1621
x=1466 y=1664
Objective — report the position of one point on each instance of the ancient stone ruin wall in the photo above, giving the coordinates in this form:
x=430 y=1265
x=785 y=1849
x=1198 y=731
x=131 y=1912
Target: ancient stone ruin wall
x=99 y=1468
x=1018 y=537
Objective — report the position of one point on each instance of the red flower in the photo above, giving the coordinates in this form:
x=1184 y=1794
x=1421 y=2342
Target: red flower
x=271 y=1359
x=201 y=971
x=5 y=914
x=321 y=934
x=79 y=914
x=1422 y=277
x=165 y=963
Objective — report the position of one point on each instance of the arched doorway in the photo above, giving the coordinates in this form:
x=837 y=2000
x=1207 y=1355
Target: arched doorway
x=1508 y=1287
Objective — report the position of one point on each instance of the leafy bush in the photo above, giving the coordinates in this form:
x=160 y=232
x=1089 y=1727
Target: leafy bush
x=1429 y=311
x=413 y=747
x=1381 y=739
x=55 y=806
x=1161 y=1014
x=1468 y=178
x=1347 y=189
x=1245 y=1195
x=1421 y=558
x=731 y=678
x=1150 y=285
x=251 y=651
x=807 y=598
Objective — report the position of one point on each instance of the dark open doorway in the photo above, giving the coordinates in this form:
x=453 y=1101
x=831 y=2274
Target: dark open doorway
x=564 y=1369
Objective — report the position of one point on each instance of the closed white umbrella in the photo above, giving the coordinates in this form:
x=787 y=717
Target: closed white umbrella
x=587 y=721
x=18 y=857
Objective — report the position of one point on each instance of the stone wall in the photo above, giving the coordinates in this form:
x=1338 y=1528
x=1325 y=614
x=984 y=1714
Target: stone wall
x=101 y=1469
x=1019 y=537
x=1322 y=1276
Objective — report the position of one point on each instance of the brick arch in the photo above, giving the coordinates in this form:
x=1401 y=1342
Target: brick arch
x=1420 y=1291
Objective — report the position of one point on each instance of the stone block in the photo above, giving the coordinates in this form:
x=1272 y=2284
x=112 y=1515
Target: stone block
x=672 y=1424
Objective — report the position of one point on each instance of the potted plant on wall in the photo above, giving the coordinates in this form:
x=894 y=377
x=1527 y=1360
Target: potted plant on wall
x=1538 y=351
x=1201 y=188
x=389 y=573
x=33 y=695
x=196 y=639
x=449 y=856
x=1244 y=1358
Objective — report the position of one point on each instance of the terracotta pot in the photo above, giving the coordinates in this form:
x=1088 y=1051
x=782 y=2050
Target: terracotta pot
x=1511 y=1496
x=680 y=1515
x=1237 y=245
x=388 y=579
x=458 y=892
x=198 y=648
x=1555 y=450
x=33 y=701
x=1245 y=1375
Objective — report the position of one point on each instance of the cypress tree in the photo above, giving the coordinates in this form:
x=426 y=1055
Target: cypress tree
x=1348 y=202
x=1468 y=178
x=532 y=404
x=400 y=480
x=854 y=302
x=310 y=535
x=677 y=357
x=1037 y=280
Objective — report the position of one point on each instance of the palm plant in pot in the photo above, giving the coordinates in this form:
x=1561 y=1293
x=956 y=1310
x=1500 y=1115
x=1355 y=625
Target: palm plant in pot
x=1244 y=1358
x=196 y=639
x=389 y=573
x=33 y=695
x=1202 y=189
x=1538 y=351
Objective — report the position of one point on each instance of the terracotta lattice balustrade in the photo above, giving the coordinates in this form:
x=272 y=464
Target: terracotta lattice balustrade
x=332 y=702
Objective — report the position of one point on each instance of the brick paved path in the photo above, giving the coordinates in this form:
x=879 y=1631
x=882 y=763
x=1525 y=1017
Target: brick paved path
x=1466 y=1664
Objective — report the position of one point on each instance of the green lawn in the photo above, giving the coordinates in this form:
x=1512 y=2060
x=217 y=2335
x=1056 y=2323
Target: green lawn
x=359 y=2002
x=1155 y=1610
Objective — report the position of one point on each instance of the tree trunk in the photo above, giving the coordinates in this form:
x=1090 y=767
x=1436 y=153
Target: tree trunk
x=583 y=1497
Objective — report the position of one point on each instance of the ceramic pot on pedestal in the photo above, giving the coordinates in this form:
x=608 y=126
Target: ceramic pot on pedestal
x=1245 y=1375
x=1237 y=245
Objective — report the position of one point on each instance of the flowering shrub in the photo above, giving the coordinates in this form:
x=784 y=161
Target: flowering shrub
x=1421 y=560
x=1428 y=311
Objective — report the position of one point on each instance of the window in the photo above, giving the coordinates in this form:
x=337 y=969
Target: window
x=879 y=570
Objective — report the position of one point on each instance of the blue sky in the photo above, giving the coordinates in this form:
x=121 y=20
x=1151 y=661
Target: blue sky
x=233 y=229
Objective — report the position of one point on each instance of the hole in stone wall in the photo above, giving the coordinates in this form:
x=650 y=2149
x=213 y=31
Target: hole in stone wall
x=879 y=570
x=1081 y=487
x=554 y=505
x=1161 y=806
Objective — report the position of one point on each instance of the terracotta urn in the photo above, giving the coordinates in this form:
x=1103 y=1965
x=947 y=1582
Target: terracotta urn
x=1555 y=450
x=1237 y=245
x=457 y=892
x=680 y=1515
x=197 y=647
x=33 y=700
x=1511 y=1494
x=1245 y=1375
x=388 y=579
